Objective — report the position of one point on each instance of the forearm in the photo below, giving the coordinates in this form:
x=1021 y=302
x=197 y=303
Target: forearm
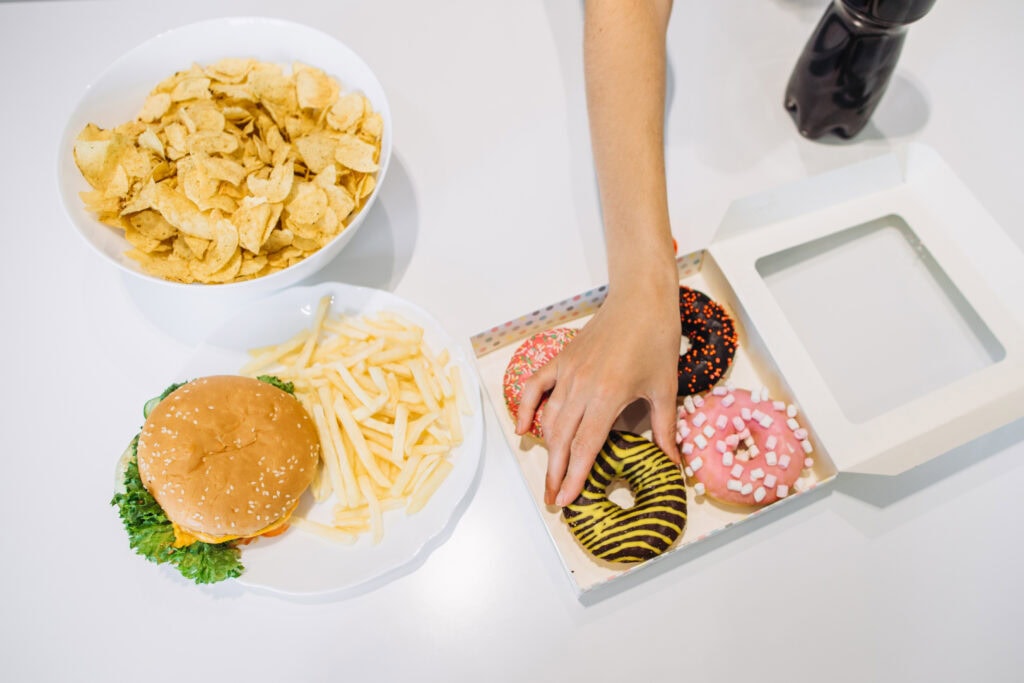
x=624 y=56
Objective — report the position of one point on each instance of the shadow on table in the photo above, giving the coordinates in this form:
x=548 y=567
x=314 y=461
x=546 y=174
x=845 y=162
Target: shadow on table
x=883 y=491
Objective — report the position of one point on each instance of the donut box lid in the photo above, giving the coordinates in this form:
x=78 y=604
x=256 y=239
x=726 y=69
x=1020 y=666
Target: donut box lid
x=889 y=300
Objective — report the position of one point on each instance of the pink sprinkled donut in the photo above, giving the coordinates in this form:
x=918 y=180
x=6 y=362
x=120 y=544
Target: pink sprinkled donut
x=531 y=356
x=741 y=447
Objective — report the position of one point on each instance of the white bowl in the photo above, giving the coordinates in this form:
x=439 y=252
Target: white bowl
x=119 y=92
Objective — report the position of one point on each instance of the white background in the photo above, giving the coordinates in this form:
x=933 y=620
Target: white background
x=488 y=211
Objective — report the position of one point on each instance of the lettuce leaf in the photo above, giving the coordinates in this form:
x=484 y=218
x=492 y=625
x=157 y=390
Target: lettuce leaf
x=151 y=534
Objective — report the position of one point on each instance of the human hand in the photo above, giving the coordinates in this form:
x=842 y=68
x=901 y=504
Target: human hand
x=629 y=350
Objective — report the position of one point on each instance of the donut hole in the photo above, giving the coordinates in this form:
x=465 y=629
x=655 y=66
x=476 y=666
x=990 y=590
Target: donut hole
x=684 y=345
x=621 y=494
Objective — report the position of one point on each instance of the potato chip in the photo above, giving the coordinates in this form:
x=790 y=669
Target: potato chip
x=353 y=153
x=317 y=151
x=230 y=70
x=191 y=89
x=233 y=170
x=155 y=107
x=253 y=222
x=152 y=224
x=346 y=112
x=277 y=186
x=313 y=88
x=178 y=210
x=307 y=205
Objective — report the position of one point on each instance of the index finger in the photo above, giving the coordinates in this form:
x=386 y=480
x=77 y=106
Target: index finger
x=590 y=436
x=534 y=389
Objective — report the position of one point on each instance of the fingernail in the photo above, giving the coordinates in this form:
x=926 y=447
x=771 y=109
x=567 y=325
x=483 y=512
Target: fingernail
x=561 y=500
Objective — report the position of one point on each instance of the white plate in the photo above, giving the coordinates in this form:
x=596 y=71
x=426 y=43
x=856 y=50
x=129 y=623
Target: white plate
x=298 y=563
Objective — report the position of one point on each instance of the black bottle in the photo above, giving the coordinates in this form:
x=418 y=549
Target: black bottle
x=845 y=66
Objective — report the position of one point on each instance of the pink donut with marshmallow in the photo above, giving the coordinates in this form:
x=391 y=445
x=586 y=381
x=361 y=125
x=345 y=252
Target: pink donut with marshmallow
x=741 y=447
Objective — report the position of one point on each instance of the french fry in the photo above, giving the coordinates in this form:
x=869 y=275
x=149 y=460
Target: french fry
x=348 y=493
x=325 y=530
x=398 y=449
x=348 y=423
x=314 y=334
x=387 y=408
x=428 y=486
x=376 y=518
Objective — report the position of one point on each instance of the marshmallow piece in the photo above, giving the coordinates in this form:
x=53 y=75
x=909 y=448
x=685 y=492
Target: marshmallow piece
x=698 y=488
x=779 y=405
x=683 y=429
x=696 y=463
x=745 y=414
x=753 y=451
x=687 y=448
x=700 y=441
x=733 y=485
x=699 y=419
x=782 y=491
x=742 y=456
x=791 y=410
x=687 y=471
x=808 y=463
x=764 y=393
x=688 y=404
x=770 y=458
x=770 y=480
x=738 y=423
x=719 y=391
x=727 y=459
x=732 y=441
x=766 y=421
x=756 y=473
x=744 y=435
x=747 y=488
x=709 y=431
x=770 y=442
x=722 y=421
x=792 y=424
x=756 y=415
x=679 y=438
x=806 y=445
x=721 y=447
x=728 y=400
x=800 y=434
x=784 y=461
x=698 y=400
x=759 y=494
x=736 y=471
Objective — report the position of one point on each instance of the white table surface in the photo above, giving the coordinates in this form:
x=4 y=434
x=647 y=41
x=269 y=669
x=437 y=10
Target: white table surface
x=915 y=577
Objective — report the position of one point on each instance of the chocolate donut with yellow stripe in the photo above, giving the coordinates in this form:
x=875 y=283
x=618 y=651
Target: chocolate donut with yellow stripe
x=655 y=520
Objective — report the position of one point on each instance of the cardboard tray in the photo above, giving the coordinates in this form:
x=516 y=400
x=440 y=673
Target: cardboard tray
x=880 y=298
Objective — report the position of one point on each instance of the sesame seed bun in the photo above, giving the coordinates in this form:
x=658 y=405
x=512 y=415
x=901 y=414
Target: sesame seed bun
x=228 y=456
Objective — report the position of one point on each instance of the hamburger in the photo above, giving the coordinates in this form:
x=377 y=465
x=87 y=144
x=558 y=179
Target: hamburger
x=219 y=461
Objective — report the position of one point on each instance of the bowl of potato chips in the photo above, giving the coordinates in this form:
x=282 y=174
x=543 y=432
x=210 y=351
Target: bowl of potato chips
x=241 y=152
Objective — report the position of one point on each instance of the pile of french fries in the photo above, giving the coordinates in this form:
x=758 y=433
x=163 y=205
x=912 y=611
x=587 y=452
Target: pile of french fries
x=388 y=411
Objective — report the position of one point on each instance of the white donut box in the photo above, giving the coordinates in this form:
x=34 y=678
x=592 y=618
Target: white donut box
x=881 y=299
